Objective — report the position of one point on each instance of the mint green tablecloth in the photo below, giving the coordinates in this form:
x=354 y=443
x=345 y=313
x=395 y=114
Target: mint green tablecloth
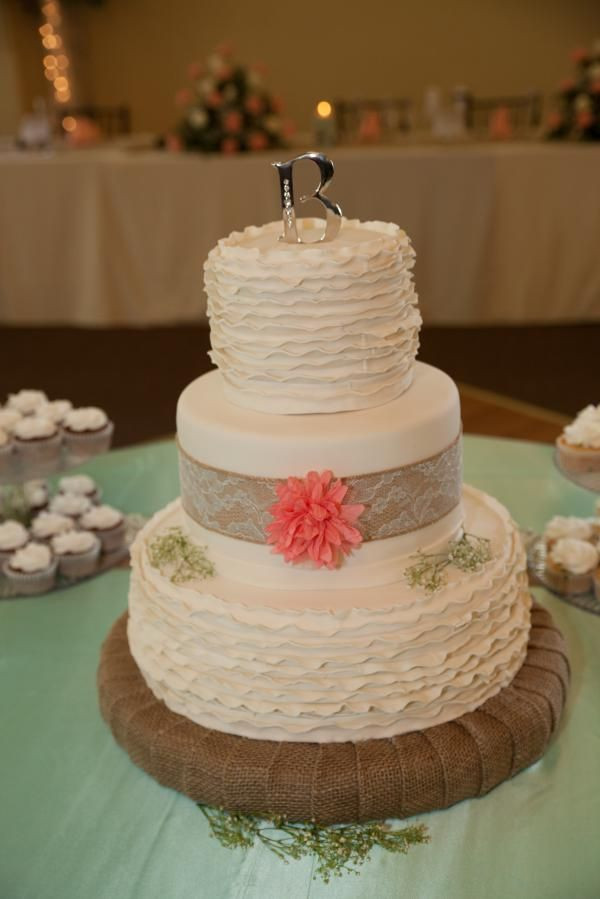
x=79 y=821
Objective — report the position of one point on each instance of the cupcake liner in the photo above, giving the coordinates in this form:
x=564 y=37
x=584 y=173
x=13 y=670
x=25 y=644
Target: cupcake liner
x=31 y=583
x=75 y=565
x=111 y=538
x=567 y=583
x=81 y=446
x=577 y=460
x=38 y=456
x=5 y=554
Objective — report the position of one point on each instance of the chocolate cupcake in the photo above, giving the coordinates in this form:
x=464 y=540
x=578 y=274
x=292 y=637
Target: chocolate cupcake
x=36 y=495
x=81 y=485
x=55 y=410
x=77 y=553
x=71 y=504
x=27 y=402
x=570 y=566
x=48 y=524
x=31 y=570
x=37 y=443
x=13 y=536
x=87 y=432
x=108 y=524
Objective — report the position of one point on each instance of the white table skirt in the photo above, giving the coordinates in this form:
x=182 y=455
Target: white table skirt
x=503 y=233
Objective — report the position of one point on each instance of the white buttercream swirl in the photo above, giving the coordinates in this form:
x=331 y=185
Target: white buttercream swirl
x=87 y=418
x=585 y=429
x=568 y=526
x=34 y=427
x=26 y=401
x=55 y=410
x=82 y=484
x=74 y=542
x=101 y=518
x=323 y=328
x=12 y=535
x=47 y=524
x=355 y=665
x=574 y=556
x=70 y=504
x=9 y=418
x=33 y=557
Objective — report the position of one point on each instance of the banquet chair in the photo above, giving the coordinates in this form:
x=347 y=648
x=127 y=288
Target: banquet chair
x=525 y=111
x=113 y=121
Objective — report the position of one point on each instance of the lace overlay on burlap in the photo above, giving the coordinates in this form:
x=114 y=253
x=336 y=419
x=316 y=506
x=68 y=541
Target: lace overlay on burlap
x=396 y=501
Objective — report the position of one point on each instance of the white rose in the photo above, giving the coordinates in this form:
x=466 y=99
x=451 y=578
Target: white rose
x=575 y=556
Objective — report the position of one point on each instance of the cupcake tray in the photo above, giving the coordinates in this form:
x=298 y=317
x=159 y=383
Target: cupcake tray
x=118 y=558
x=535 y=548
x=19 y=472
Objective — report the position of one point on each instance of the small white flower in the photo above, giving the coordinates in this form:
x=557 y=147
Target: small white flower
x=197 y=118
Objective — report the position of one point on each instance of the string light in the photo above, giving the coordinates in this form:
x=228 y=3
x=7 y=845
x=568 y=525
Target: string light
x=56 y=68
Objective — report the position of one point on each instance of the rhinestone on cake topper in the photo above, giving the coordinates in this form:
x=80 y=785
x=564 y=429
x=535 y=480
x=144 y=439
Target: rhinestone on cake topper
x=333 y=212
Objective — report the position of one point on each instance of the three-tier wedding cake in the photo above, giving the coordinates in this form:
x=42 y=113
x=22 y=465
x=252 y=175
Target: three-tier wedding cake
x=353 y=587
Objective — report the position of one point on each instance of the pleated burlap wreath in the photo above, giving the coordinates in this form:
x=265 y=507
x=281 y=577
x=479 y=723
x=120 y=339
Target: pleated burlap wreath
x=341 y=782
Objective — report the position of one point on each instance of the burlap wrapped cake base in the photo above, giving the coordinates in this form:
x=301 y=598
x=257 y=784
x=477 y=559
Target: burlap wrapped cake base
x=341 y=782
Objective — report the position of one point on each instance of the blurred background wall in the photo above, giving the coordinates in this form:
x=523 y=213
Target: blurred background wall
x=139 y=50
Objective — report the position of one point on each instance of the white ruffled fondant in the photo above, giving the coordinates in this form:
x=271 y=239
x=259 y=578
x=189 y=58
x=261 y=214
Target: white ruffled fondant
x=284 y=664
x=301 y=329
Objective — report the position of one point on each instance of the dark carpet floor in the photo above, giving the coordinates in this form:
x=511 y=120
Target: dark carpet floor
x=137 y=375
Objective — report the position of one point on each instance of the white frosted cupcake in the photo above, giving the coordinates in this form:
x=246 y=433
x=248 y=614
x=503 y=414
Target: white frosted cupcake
x=570 y=566
x=36 y=495
x=27 y=402
x=71 y=504
x=6 y=454
x=8 y=419
x=37 y=442
x=77 y=553
x=579 y=444
x=108 y=524
x=13 y=536
x=55 y=410
x=48 y=524
x=567 y=526
x=87 y=431
x=81 y=485
x=32 y=569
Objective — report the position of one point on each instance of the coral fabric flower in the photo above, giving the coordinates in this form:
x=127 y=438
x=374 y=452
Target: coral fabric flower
x=311 y=521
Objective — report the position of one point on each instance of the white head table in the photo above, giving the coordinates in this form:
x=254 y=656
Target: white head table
x=503 y=233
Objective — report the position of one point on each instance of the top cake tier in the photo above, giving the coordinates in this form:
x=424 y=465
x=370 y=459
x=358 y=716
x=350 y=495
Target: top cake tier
x=308 y=328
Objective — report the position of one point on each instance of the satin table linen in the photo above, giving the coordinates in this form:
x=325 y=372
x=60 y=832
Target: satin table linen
x=79 y=821
x=503 y=232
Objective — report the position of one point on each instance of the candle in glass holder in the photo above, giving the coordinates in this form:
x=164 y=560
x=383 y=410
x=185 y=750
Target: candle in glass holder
x=324 y=123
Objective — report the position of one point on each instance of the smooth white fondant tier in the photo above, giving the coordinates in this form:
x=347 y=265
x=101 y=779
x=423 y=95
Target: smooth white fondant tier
x=308 y=328
x=418 y=425
x=332 y=666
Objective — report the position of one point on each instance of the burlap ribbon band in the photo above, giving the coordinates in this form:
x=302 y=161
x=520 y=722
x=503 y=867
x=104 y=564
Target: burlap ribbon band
x=397 y=501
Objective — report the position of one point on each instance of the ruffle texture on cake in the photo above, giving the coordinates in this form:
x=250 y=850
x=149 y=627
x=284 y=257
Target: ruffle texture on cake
x=403 y=661
x=300 y=328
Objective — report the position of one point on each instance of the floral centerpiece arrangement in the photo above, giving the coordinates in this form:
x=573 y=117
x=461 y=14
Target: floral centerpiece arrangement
x=227 y=109
x=577 y=115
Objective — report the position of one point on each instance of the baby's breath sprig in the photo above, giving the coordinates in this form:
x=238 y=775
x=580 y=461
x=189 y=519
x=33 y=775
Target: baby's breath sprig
x=338 y=849
x=468 y=553
x=178 y=558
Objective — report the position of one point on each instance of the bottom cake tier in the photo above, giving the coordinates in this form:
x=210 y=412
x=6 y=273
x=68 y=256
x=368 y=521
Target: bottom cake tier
x=331 y=666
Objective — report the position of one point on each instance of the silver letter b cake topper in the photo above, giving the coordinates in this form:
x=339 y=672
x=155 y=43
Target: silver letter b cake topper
x=333 y=213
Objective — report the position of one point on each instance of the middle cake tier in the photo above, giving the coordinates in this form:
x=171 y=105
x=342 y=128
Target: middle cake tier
x=400 y=462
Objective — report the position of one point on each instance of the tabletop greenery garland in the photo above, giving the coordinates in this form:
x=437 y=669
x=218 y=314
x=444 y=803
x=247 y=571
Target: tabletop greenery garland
x=339 y=849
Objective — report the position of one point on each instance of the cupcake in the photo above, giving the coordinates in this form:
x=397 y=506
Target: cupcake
x=87 y=431
x=37 y=442
x=13 y=536
x=36 y=495
x=48 y=524
x=579 y=444
x=27 y=402
x=80 y=484
x=8 y=419
x=567 y=526
x=77 y=553
x=55 y=410
x=6 y=454
x=71 y=504
x=570 y=566
x=594 y=524
x=108 y=524
x=31 y=569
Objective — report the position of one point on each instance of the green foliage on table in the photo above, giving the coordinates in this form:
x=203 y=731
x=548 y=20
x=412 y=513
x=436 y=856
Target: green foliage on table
x=338 y=849
x=177 y=558
x=469 y=553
